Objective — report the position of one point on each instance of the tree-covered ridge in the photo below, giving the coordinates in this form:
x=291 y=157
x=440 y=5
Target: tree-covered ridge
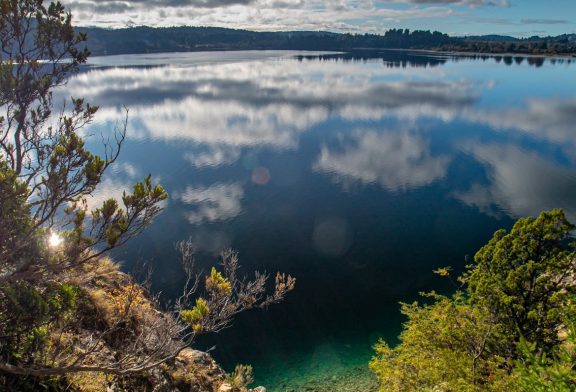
x=144 y=39
x=509 y=327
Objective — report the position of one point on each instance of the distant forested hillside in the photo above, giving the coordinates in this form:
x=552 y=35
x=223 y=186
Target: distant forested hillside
x=182 y=39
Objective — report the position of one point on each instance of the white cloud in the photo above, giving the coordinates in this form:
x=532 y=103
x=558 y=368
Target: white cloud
x=228 y=123
x=550 y=120
x=223 y=108
x=113 y=188
x=521 y=183
x=215 y=156
x=261 y=14
x=125 y=168
x=108 y=189
x=396 y=161
x=217 y=202
x=472 y=3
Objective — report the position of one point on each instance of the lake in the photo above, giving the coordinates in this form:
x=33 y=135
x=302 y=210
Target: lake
x=358 y=174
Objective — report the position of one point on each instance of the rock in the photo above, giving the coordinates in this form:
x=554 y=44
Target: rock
x=195 y=370
x=194 y=359
x=225 y=387
x=258 y=389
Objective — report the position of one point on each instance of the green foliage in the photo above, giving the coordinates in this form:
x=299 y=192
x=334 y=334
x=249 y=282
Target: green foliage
x=177 y=39
x=217 y=285
x=240 y=378
x=540 y=372
x=29 y=313
x=25 y=305
x=115 y=224
x=443 y=348
x=220 y=290
x=519 y=289
x=15 y=218
x=524 y=278
x=196 y=315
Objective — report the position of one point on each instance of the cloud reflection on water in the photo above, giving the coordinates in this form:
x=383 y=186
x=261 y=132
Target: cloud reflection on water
x=260 y=103
x=396 y=161
x=520 y=183
x=549 y=120
x=214 y=114
x=217 y=202
x=214 y=156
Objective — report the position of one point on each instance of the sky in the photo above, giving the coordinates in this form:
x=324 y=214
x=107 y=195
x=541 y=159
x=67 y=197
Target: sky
x=520 y=18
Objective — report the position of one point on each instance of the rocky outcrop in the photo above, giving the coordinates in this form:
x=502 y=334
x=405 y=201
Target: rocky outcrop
x=106 y=289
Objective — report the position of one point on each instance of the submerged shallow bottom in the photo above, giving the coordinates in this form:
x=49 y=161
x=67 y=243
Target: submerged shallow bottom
x=327 y=368
x=335 y=380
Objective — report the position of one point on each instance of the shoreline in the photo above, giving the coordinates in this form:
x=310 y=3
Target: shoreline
x=506 y=54
x=571 y=56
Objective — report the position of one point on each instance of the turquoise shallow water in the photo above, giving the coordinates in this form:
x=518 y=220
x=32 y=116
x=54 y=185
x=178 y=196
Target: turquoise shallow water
x=356 y=173
x=329 y=367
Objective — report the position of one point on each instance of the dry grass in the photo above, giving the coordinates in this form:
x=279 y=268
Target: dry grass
x=123 y=300
x=102 y=266
x=95 y=271
x=88 y=381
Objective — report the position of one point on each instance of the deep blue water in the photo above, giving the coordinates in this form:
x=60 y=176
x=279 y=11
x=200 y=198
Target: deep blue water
x=358 y=174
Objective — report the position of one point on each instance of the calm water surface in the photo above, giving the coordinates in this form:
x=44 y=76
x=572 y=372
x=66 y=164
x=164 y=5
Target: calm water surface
x=357 y=174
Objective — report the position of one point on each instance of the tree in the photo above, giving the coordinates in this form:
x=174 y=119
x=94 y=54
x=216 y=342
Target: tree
x=541 y=371
x=39 y=49
x=49 y=295
x=525 y=279
x=445 y=346
x=501 y=329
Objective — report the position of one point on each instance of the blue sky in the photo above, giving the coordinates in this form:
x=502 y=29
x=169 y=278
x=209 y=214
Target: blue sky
x=456 y=17
x=516 y=17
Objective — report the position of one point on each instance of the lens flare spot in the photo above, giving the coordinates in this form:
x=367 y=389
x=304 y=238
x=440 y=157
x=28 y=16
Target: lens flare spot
x=332 y=237
x=260 y=176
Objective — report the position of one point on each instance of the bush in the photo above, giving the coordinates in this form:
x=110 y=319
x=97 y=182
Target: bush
x=502 y=331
